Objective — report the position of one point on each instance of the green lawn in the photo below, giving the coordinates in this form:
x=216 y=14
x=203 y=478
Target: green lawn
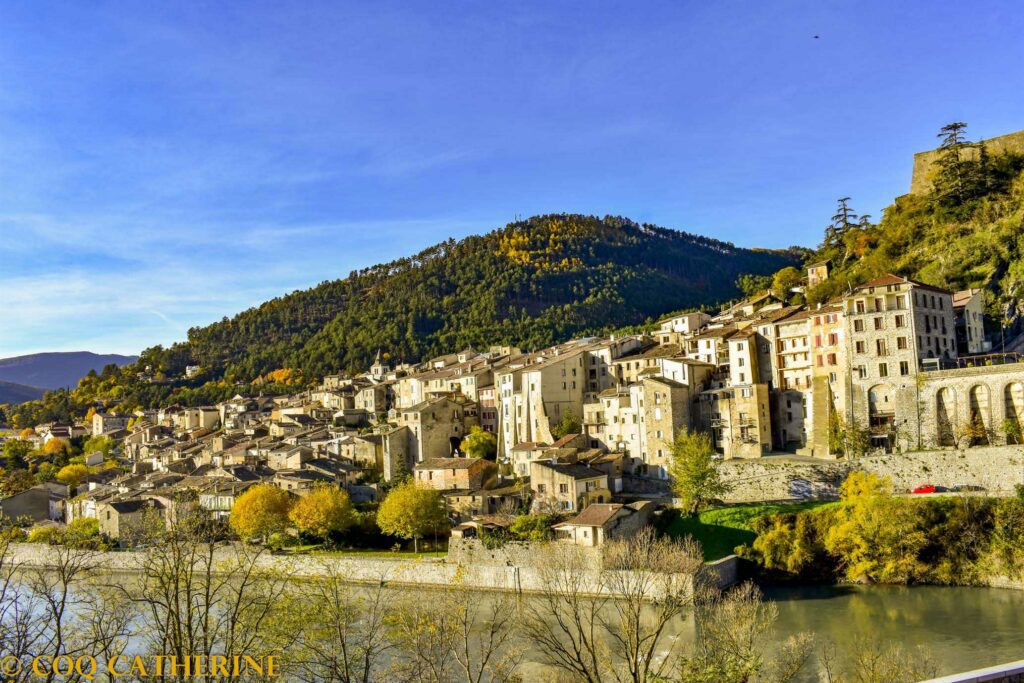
x=369 y=553
x=720 y=530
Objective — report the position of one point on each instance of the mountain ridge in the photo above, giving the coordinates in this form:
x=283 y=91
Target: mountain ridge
x=13 y=393
x=531 y=283
x=56 y=369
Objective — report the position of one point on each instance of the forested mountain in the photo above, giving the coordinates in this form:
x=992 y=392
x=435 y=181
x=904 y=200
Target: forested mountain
x=57 y=369
x=532 y=283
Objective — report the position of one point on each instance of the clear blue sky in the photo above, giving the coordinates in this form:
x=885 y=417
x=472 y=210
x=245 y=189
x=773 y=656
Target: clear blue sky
x=163 y=167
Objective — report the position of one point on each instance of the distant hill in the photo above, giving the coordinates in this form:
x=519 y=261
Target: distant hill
x=532 y=283
x=56 y=370
x=18 y=393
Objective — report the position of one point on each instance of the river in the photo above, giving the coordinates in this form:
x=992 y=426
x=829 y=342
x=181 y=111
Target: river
x=962 y=628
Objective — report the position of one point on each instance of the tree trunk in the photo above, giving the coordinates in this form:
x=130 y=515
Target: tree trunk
x=415 y=544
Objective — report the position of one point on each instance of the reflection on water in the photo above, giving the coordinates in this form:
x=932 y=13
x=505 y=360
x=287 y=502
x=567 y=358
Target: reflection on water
x=963 y=628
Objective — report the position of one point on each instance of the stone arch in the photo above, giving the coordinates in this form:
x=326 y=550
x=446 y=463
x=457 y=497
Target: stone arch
x=882 y=417
x=979 y=412
x=880 y=400
x=945 y=416
x=1013 y=410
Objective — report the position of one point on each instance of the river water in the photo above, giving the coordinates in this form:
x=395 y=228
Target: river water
x=962 y=628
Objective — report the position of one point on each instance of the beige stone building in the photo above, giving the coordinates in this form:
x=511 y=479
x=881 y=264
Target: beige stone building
x=446 y=474
x=830 y=376
x=969 y=320
x=436 y=427
x=896 y=328
x=567 y=487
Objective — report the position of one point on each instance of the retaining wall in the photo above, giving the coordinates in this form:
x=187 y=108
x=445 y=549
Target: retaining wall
x=426 y=573
x=997 y=469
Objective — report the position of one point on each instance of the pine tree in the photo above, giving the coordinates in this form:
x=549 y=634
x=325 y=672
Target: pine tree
x=959 y=175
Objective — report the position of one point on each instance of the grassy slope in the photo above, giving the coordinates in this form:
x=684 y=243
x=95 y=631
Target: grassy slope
x=720 y=530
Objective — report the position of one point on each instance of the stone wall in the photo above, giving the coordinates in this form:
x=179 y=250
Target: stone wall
x=422 y=573
x=920 y=181
x=997 y=469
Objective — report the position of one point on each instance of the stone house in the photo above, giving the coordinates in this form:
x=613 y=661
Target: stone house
x=42 y=502
x=602 y=522
x=445 y=474
x=567 y=487
x=436 y=427
x=127 y=520
x=969 y=321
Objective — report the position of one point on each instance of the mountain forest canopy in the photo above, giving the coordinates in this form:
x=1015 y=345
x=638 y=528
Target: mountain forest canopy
x=531 y=284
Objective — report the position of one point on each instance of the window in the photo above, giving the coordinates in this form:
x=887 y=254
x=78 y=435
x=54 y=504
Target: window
x=563 y=488
x=859 y=346
x=880 y=347
x=879 y=324
x=858 y=325
x=862 y=372
x=901 y=343
x=859 y=306
x=883 y=370
x=541 y=488
x=904 y=368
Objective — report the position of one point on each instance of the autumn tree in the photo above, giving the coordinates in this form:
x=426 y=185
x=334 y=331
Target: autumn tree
x=579 y=629
x=456 y=636
x=785 y=281
x=101 y=444
x=324 y=511
x=260 y=511
x=411 y=512
x=56 y=447
x=730 y=640
x=479 y=444
x=345 y=639
x=694 y=472
x=72 y=475
x=876 y=537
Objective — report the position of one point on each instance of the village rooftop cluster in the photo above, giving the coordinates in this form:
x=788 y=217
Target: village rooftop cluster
x=583 y=429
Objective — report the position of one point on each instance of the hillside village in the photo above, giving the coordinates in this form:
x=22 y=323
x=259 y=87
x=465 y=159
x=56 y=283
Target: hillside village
x=583 y=429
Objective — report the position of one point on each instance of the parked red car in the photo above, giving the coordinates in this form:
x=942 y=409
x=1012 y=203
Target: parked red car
x=926 y=488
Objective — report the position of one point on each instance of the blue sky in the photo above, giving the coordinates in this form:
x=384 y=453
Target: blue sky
x=161 y=167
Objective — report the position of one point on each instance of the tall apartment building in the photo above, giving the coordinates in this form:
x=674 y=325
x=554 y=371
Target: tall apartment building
x=536 y=391
x=896 y=328
x=969 y=321
x=641 y=421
